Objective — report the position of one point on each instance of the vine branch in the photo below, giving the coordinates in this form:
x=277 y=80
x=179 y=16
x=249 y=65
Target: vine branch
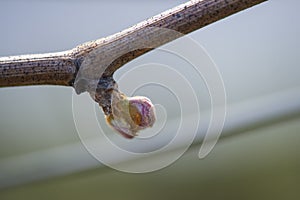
x=63 y=67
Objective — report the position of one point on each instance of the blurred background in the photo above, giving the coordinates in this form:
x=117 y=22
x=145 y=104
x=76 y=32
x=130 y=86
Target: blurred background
x=257 y=54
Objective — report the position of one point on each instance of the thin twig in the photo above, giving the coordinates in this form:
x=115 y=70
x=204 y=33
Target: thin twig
x=37 y=69
x=62 y=68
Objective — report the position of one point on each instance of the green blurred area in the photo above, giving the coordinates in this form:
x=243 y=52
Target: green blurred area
x=260 y=164
x=257 y=53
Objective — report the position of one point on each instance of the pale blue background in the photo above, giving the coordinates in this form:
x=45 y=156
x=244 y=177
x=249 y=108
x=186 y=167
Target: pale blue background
x=257 y=53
